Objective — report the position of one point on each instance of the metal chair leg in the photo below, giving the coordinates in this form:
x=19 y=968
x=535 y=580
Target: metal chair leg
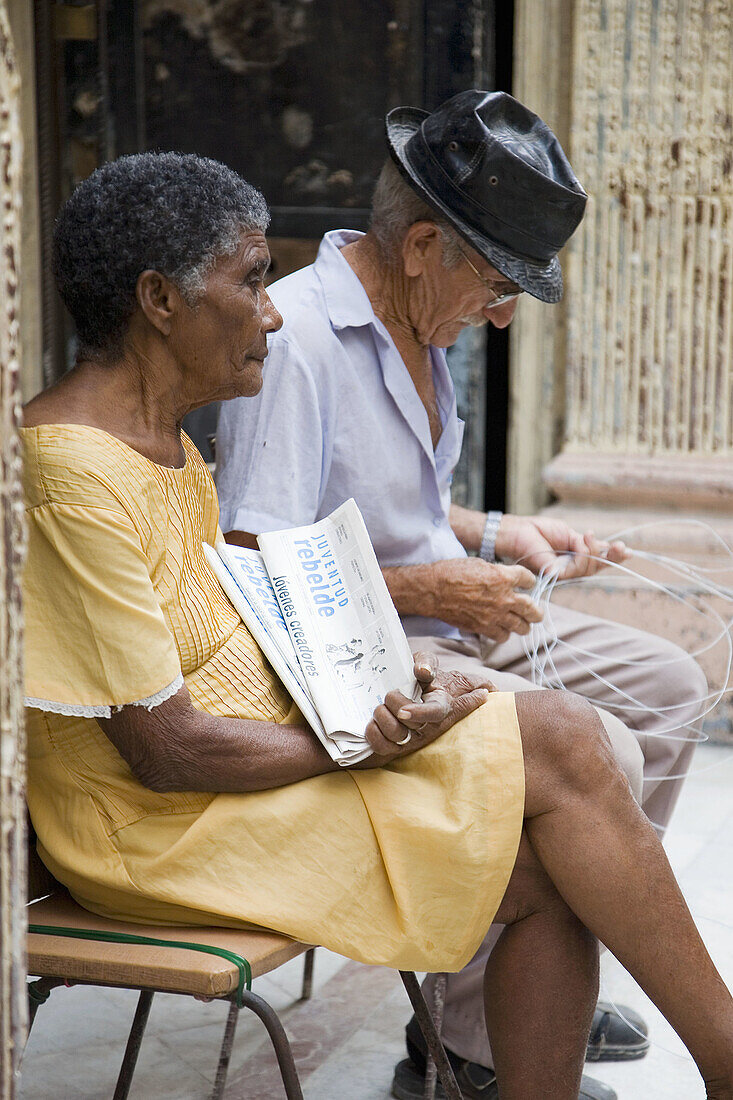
x=432 y=1039
x=310 y=956
x=280 y=1043
x=132 y=1049
x=226 y=1051
x=231 y=1026
x=38 y=993
x=437 y=1009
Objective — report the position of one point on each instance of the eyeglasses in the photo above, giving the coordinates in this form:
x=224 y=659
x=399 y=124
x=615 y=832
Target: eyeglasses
x=498 y=299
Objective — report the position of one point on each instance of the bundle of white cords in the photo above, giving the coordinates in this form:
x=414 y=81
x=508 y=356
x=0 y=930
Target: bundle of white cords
x=692 y=586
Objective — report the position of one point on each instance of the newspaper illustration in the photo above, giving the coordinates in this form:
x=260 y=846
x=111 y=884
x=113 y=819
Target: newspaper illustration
x=315 y=601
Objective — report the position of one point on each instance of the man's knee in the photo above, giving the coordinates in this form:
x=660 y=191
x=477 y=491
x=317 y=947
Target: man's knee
x=675 y=685
x=675 y=693
x=683 y=688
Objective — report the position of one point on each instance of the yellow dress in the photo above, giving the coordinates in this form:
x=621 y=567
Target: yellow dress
x=402 y=866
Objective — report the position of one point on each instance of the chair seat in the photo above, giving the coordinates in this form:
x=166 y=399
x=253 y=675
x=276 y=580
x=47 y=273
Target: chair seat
x=142 y=966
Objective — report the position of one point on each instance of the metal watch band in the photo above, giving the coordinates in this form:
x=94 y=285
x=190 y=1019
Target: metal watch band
x=487 y=550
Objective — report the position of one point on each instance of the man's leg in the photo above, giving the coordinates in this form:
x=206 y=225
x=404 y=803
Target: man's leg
x=642 y=666
x=464 y=1030
x=469 y=658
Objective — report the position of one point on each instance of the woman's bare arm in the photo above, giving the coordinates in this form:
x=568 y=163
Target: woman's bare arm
x=175 y=747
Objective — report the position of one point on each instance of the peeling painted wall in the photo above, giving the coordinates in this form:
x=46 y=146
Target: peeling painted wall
x=13 y=997
x=650 y=351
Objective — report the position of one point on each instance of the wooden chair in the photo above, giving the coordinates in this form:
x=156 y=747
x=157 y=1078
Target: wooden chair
x=68 y=945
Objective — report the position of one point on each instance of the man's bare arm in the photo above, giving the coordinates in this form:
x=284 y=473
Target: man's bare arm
x=468 y=526
x=241 y=538
x=539 y=541
x=465 y=592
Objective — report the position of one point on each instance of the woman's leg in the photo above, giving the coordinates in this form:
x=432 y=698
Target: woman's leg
x=541 y=987
x=606 y=862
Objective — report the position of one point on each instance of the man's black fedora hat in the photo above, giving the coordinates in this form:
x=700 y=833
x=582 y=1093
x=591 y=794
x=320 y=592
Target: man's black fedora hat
x=498 y=174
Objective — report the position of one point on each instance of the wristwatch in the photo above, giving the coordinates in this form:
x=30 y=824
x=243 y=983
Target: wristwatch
x=487 y=550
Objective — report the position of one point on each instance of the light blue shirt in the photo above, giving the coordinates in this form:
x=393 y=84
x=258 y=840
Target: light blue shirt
x=339 y=416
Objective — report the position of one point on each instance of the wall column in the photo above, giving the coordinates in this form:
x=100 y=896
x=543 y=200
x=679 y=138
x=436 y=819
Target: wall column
x=641 y=352
x=542 y=80
x=650 y=308
x=13 y=1021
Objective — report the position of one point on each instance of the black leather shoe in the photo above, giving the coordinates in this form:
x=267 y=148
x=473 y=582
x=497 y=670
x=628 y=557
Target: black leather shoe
x=409 y=1082
x=613 y=1039
x=476 y=1082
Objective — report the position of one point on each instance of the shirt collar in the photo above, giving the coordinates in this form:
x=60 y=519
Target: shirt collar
x=347 y=301
x=348 y=306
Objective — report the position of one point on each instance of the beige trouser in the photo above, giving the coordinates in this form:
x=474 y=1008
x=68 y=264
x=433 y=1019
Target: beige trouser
x=663 y=676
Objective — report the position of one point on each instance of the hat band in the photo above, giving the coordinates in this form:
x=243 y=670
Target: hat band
x=485 y=223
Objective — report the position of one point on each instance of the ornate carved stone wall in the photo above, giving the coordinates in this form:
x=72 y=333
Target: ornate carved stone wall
x=650 y=313
x=542 y=79
x=12 y=758
x=640 y=354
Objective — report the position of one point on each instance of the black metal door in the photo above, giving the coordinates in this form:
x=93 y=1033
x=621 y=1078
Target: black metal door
x=291 y=93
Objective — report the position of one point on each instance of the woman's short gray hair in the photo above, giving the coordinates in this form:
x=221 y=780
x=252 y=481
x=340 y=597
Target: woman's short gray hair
x=395 y=207
x=175 y=213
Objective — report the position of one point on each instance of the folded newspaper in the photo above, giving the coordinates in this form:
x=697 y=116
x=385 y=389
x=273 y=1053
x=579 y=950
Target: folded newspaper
x=316 y=603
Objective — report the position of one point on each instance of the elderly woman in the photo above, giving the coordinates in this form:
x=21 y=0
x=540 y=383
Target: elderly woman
x=170 y=776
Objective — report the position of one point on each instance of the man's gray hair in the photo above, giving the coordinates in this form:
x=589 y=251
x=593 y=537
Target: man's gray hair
x=395 y=207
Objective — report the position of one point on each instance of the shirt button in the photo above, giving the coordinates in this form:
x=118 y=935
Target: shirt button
x=437 y=521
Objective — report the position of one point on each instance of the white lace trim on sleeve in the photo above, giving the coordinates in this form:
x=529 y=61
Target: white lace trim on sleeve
x=75 y=710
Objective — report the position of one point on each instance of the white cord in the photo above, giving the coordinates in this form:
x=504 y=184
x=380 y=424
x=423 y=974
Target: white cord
x=687 y=585
x=683 y=1055
x=697 y=583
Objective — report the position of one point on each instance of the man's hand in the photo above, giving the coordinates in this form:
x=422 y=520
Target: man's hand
x=400 y=726
x=539 y=542
x=482 y=597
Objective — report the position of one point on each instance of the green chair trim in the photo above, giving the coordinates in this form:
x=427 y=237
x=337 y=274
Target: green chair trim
x=243 y=966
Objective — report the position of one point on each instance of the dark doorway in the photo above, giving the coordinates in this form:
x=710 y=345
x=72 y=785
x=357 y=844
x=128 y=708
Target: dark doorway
x=291 y=93
x=497 y=341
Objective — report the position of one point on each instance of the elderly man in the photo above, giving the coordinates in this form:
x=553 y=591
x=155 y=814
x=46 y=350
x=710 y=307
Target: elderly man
x=469 y=213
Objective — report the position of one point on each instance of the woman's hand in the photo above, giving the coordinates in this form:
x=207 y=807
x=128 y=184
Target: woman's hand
x=400 y=726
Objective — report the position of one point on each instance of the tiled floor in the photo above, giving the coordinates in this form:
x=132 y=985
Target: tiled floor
x=348 y=1037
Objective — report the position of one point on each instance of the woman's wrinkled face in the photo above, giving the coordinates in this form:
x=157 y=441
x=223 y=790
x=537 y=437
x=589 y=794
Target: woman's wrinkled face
x=222 y=339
